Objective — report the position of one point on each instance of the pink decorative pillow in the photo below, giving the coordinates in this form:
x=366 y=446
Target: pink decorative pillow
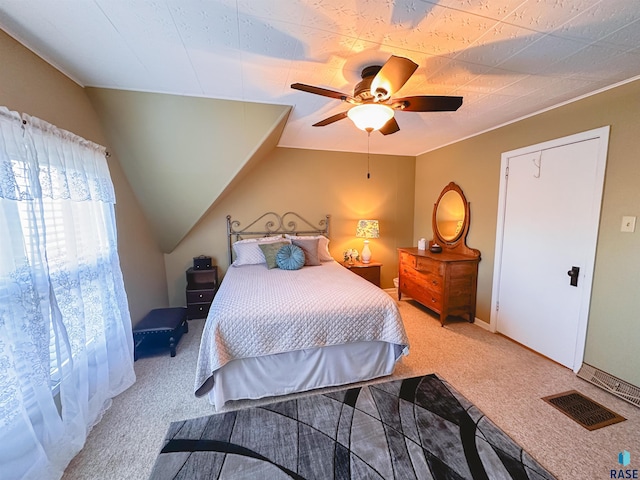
x=323 y=245
x=310 y=248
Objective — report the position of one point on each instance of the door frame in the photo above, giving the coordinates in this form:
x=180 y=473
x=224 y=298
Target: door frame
x=586 y=272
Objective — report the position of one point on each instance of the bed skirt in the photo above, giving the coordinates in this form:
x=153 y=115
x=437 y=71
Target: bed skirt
x=302 y=370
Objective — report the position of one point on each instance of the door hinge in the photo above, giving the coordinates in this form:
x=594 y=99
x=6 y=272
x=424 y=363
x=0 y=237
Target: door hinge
x=497 y=306
x=506 y=172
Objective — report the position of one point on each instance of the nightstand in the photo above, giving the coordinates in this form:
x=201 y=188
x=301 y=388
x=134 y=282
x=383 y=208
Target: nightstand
x=369 y=271
x=202 y=286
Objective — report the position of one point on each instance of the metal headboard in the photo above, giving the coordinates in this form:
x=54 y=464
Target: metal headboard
x=274 y=224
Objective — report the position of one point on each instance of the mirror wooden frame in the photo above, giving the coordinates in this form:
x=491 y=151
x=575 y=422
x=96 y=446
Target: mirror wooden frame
x=458 y=244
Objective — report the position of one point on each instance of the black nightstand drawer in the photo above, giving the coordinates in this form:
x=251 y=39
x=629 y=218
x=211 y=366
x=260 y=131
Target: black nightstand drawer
x=199 y=296
x=198 y=310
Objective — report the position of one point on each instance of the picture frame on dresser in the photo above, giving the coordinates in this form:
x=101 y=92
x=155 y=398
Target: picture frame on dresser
x=443 y=277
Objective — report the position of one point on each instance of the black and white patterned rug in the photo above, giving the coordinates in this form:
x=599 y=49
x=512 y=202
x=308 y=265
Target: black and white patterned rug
x=417 y=428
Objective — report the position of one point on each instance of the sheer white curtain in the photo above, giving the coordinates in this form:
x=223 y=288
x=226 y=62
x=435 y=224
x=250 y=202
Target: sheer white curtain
x=65 y=332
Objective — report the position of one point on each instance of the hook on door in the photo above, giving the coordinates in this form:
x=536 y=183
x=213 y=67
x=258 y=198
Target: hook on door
x=538 y=164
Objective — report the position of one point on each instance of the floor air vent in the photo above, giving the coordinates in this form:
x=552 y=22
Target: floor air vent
x=591 y=415
x=611 y=384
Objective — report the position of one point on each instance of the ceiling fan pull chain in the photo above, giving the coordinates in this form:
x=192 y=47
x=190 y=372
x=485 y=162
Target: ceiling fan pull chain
x=368 y=138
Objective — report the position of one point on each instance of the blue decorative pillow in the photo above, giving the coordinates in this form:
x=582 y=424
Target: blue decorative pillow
x=290 y=257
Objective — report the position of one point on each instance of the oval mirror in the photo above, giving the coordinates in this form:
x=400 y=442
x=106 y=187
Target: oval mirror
x=450 y=221
x=450 y=216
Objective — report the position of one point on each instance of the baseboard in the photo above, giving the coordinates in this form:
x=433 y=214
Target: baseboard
x=611 y=384
x=482 y=324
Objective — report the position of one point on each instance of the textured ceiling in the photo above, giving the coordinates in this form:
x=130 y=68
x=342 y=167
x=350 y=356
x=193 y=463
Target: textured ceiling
x=507 y=58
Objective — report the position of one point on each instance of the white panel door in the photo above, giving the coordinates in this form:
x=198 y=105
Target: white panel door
x=549 y=226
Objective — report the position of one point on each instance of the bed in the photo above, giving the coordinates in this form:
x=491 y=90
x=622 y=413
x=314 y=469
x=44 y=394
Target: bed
x=273 y=332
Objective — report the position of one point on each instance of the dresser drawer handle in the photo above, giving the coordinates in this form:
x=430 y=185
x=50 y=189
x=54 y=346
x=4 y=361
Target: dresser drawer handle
x=201 y=308
x=200 y=295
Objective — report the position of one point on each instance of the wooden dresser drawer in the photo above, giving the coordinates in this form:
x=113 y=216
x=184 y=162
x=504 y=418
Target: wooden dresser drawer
x=407 y=260
x=421 y=293
x=428 y=265
x=432 y=300
x=433 y=280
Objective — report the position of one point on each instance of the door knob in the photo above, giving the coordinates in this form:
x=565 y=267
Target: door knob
x=573 y=273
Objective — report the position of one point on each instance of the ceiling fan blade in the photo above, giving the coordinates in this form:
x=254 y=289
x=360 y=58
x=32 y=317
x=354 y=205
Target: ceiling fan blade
x=331 y=119
x=391 y=77
x=320 y=91
x=390 y=127
x=427 y=103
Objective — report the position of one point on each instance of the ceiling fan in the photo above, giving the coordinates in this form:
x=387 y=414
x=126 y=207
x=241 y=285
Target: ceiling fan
x=373 y=106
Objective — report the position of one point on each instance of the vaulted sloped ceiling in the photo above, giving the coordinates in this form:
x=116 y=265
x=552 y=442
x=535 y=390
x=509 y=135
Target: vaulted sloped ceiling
x=180 y=153
x=508 y=58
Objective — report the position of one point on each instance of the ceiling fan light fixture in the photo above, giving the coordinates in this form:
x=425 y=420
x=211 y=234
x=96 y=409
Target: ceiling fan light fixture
x=370 y=116
x=374 y=106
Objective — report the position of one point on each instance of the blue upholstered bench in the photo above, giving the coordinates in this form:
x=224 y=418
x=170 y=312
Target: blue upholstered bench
x=159 y=329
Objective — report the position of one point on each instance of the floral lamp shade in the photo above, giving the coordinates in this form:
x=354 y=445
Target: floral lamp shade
x=367 y=229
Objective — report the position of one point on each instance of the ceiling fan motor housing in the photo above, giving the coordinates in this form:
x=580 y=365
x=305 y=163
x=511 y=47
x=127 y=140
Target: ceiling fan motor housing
x=362 y=90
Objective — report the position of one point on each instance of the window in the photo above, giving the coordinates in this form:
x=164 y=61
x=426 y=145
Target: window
x=63 y=309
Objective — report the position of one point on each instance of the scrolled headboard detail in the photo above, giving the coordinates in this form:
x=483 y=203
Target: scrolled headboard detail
x=270 y=224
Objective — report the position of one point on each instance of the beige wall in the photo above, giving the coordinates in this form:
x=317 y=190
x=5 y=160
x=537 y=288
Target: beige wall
x=613 y=332
x=29 y=85
x=313 y=184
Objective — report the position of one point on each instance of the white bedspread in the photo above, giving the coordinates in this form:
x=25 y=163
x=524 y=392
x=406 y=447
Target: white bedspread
x=260 y=312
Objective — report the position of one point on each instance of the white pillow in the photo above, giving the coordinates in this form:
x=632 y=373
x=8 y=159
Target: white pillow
x=276 y=238
x=248 y=251
x=323 y=246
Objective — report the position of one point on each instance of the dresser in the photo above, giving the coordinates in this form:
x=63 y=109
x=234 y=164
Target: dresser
x=369 y=271
x=202 y=286
x=443 y=282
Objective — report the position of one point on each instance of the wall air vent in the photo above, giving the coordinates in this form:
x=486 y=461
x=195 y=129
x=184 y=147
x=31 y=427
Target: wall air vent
x=611 y=384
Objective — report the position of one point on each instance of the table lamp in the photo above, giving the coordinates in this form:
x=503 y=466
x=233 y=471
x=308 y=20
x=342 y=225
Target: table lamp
x=367 y=229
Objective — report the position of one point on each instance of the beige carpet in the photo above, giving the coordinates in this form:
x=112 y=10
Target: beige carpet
x=501 y=378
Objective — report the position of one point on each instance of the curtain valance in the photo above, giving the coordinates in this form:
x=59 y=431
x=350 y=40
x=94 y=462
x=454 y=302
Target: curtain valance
x=51 y=162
